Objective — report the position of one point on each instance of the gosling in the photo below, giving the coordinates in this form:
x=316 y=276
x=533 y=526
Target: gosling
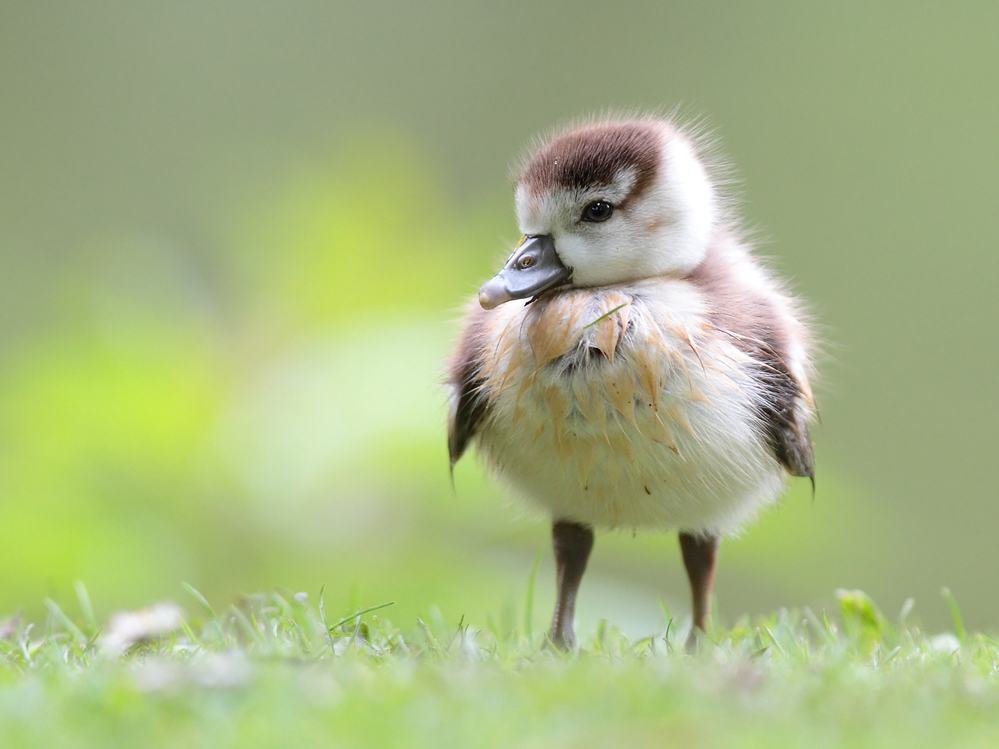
x=632 y=365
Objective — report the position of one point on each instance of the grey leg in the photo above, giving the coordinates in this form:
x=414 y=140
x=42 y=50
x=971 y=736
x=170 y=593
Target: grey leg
x=700 y=552
x=573 y=543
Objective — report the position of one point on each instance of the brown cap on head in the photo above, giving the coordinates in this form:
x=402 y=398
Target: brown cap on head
x=593 y=155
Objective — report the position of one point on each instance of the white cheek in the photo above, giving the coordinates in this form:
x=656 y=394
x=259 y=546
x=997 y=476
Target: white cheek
x=593 y=260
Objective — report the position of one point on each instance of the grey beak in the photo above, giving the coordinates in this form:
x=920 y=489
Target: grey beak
x=533 y=267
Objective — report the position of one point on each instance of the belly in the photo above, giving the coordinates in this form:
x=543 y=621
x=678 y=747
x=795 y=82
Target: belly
x=652 y=433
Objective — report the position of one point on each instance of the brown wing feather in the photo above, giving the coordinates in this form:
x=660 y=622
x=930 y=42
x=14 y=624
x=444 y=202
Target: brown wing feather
x=782 y=413
x=469 y=404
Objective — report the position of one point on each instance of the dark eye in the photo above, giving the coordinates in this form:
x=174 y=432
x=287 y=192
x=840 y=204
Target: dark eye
x=598 y=210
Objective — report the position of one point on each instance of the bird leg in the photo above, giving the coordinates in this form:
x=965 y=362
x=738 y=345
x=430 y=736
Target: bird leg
x=700 y=552
x=573 y=543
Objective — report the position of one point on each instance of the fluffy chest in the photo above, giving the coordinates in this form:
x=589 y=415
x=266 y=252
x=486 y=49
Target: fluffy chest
x=620 y=407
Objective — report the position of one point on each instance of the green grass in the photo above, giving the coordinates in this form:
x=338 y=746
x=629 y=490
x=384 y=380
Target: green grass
x=277 y=671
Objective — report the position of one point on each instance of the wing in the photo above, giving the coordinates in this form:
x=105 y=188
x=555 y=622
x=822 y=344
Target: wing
x=785 y=418
x=469 y=401
x=782 y=409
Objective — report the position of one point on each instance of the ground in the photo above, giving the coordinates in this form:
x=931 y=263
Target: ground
x=278 y=670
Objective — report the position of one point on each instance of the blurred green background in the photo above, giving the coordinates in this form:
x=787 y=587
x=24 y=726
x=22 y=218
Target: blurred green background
x=235 y=237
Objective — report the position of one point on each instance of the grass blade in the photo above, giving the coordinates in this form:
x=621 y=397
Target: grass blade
x=66 y=622
x=955 y=612
x=322 y=618
x=606 y=315
x=200 y=599
x=775 y=641
x=360 y=613
x=85 y=606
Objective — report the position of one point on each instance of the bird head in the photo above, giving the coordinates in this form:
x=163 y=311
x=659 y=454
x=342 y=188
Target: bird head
x=606 y=203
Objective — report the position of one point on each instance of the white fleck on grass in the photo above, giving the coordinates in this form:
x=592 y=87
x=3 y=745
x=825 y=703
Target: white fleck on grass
x=945 y=643
x=128 y=628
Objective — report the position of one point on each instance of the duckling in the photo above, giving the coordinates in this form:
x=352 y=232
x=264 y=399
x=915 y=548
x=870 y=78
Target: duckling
x=632 y=365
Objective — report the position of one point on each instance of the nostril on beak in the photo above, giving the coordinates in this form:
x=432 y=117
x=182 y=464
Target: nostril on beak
x=493 y=293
